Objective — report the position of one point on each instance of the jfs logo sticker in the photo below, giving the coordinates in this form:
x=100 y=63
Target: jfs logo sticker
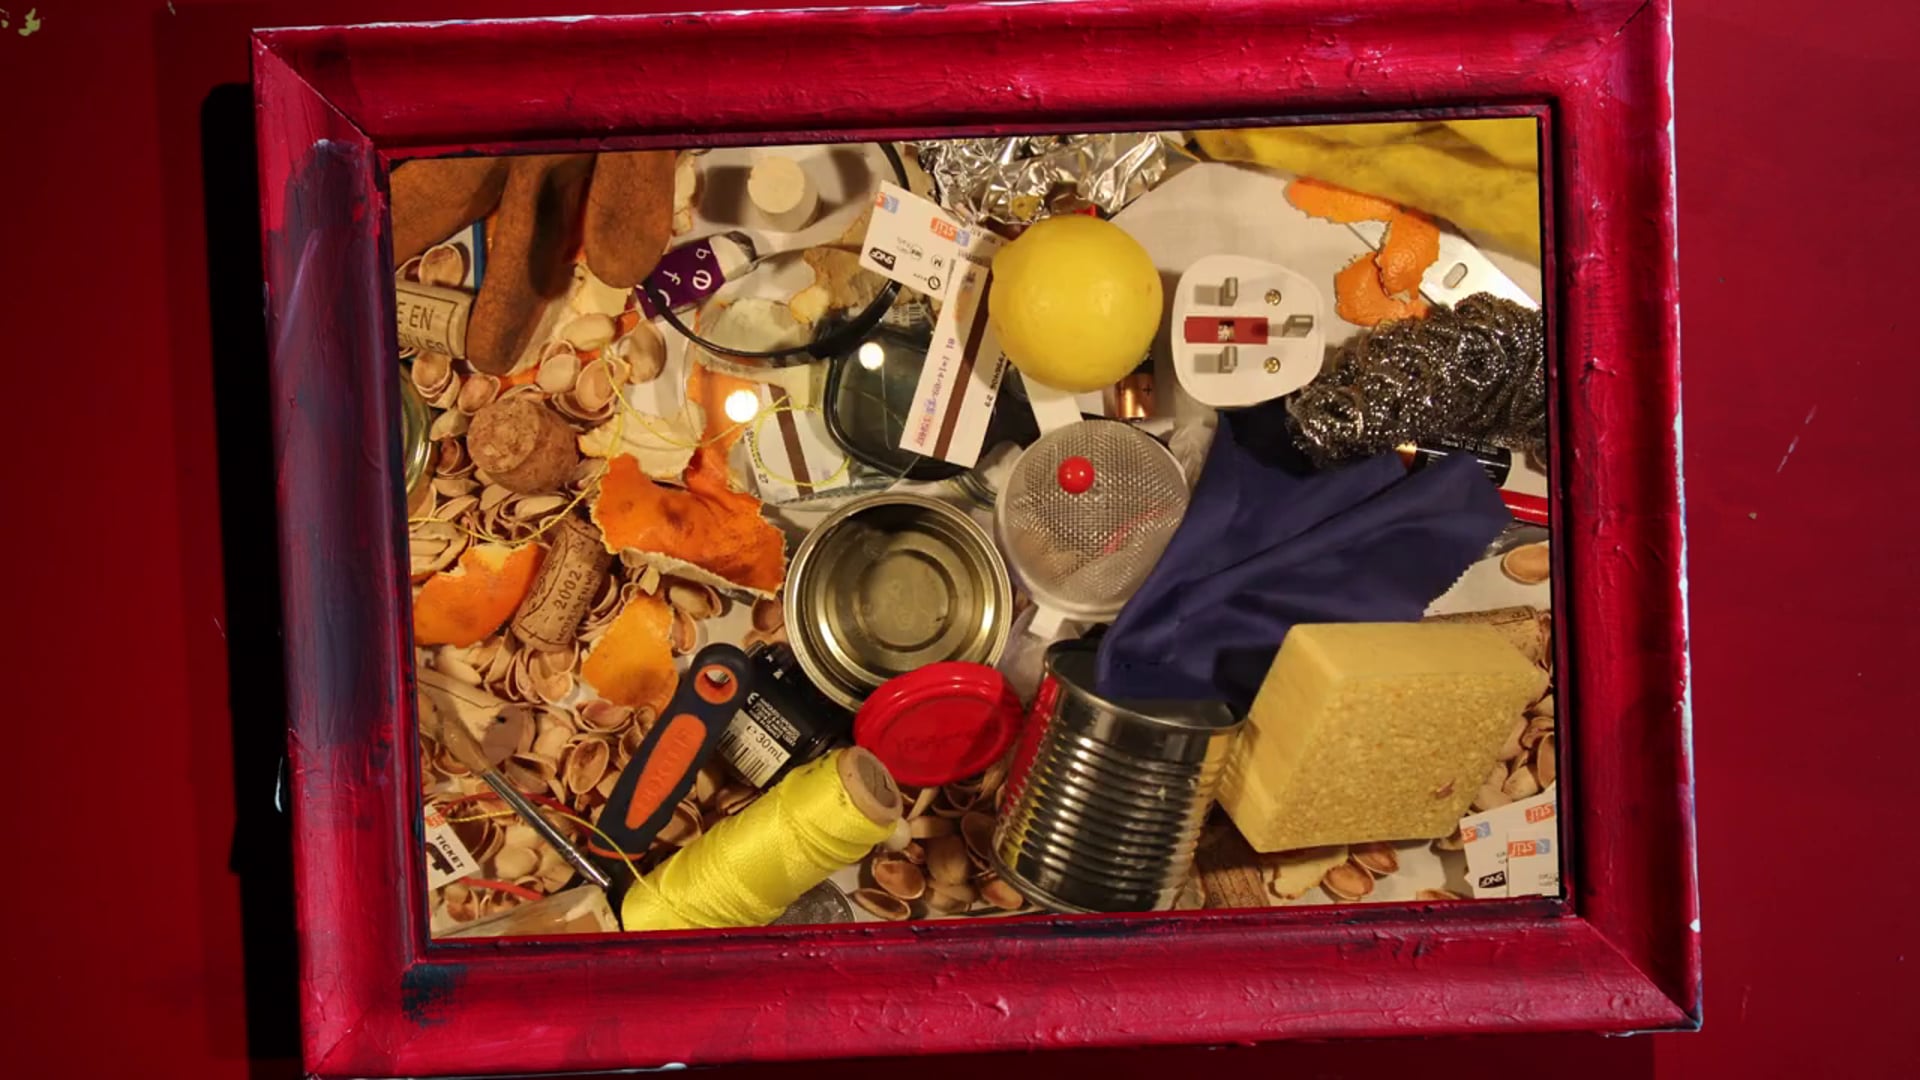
x=1520 y=849
x=945 y=230
x=1537 y=814
x=887 y=202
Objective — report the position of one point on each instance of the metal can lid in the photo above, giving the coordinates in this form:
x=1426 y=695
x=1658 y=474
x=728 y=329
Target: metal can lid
x=942 y=723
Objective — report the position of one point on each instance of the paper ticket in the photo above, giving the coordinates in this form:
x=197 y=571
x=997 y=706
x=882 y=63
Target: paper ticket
x=447 y=858
x=1485 y=837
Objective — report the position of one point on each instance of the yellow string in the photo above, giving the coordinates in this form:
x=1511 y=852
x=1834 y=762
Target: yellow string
x=752 y=866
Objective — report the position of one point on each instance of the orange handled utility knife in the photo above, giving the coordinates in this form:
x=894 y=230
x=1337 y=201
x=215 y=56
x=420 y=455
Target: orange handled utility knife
x=663 y=769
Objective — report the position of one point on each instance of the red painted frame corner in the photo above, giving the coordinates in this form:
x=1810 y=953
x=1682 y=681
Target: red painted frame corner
x=1620 y=953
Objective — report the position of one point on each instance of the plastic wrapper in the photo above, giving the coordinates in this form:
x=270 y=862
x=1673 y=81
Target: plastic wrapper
x=1021 y=179
x=1476 y=371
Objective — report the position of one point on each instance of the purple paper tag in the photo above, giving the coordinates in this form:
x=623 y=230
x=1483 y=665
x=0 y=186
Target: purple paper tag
x=685 y=276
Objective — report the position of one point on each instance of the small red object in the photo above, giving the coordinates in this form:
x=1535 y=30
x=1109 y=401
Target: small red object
x=1076 y=475
x=1211 y=330
x=940 y=723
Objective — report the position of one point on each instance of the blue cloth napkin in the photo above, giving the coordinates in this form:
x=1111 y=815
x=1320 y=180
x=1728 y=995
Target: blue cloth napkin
x=1269 y=542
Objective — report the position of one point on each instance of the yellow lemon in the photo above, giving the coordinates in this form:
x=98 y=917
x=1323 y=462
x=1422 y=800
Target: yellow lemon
x=1075 y=302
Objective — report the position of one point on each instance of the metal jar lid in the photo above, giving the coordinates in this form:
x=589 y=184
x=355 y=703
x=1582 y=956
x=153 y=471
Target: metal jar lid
x=891 y=583
x=416 y=449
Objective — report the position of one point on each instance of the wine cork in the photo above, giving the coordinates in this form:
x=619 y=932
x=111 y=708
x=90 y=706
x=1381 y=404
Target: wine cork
x=523 y=445
x=869 y=785
x=431 y=318
x=570 y=578
x=781 y=190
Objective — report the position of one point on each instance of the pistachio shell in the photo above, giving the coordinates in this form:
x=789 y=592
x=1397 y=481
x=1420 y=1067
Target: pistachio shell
x=477 y=393
x=768 y=615
x=513 y=862
x=605 y=716
x=1437 y=894
x=882 y=903
x=644 y=351
x=948 y=898
x=947 y=859
x=900 y=878
x=447 y=425
x=431 y=373
x=1000 y=894
x=558 y=372
x=1521 y=783
x=684 y=827
x=927 y=827
x=444 y=265
x=1347 y=882
x=588 y=333
x=587 y=764
x=1545 y=764
x=1377 y=858
x=594 y=390
x=697 y=600
x=1528 y=564
x=978 y=830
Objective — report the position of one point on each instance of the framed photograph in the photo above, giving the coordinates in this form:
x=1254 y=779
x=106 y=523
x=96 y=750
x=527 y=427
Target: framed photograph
x=771 y=137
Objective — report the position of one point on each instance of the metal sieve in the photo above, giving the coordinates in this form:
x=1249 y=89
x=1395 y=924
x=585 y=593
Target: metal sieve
x=1086 y=513
x=1105 y=800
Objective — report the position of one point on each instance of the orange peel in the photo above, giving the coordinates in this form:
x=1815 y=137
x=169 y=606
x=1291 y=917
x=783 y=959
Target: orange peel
x=463 y=605
x=1360 y=298
x=707 y=525
x=1317 y=198
x=1412 y=245
x=632 y=663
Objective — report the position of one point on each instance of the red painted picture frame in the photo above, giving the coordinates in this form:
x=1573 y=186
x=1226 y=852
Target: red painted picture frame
x=1620 y=952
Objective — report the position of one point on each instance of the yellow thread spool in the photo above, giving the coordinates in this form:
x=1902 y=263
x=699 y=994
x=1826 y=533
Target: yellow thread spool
x=825 y=815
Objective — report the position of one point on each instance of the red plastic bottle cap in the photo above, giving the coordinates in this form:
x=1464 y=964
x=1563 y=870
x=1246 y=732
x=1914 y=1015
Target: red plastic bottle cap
x=1076 y=475
x=942 y=723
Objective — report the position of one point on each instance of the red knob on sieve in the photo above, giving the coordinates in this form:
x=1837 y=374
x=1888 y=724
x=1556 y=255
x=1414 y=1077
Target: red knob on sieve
x=1076 y=475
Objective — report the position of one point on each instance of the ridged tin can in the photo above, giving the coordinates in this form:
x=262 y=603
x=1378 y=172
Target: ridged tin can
x=1105 y=800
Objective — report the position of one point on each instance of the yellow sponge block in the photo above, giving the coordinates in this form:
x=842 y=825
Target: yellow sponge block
x=1374 y=731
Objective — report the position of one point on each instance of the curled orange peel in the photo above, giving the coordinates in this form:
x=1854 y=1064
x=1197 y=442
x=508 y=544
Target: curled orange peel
x=707 y=524
x=463 y=605
x=632 y=663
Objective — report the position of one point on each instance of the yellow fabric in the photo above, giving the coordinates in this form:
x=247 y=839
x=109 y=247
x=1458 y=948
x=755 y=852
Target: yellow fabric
x=753 y=865
x=1482 y=175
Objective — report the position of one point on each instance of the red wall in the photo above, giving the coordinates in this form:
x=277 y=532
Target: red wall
x=136 y=948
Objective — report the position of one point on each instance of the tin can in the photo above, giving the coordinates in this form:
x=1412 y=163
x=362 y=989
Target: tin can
x=1105 y=800
x=891 y=583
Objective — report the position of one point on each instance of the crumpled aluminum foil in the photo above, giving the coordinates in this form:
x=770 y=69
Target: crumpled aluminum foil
x=1015 y=179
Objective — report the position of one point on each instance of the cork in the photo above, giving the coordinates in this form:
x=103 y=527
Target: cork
x=523 y=445
x=571 y=576
x=869 y=785
x=431 y=318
